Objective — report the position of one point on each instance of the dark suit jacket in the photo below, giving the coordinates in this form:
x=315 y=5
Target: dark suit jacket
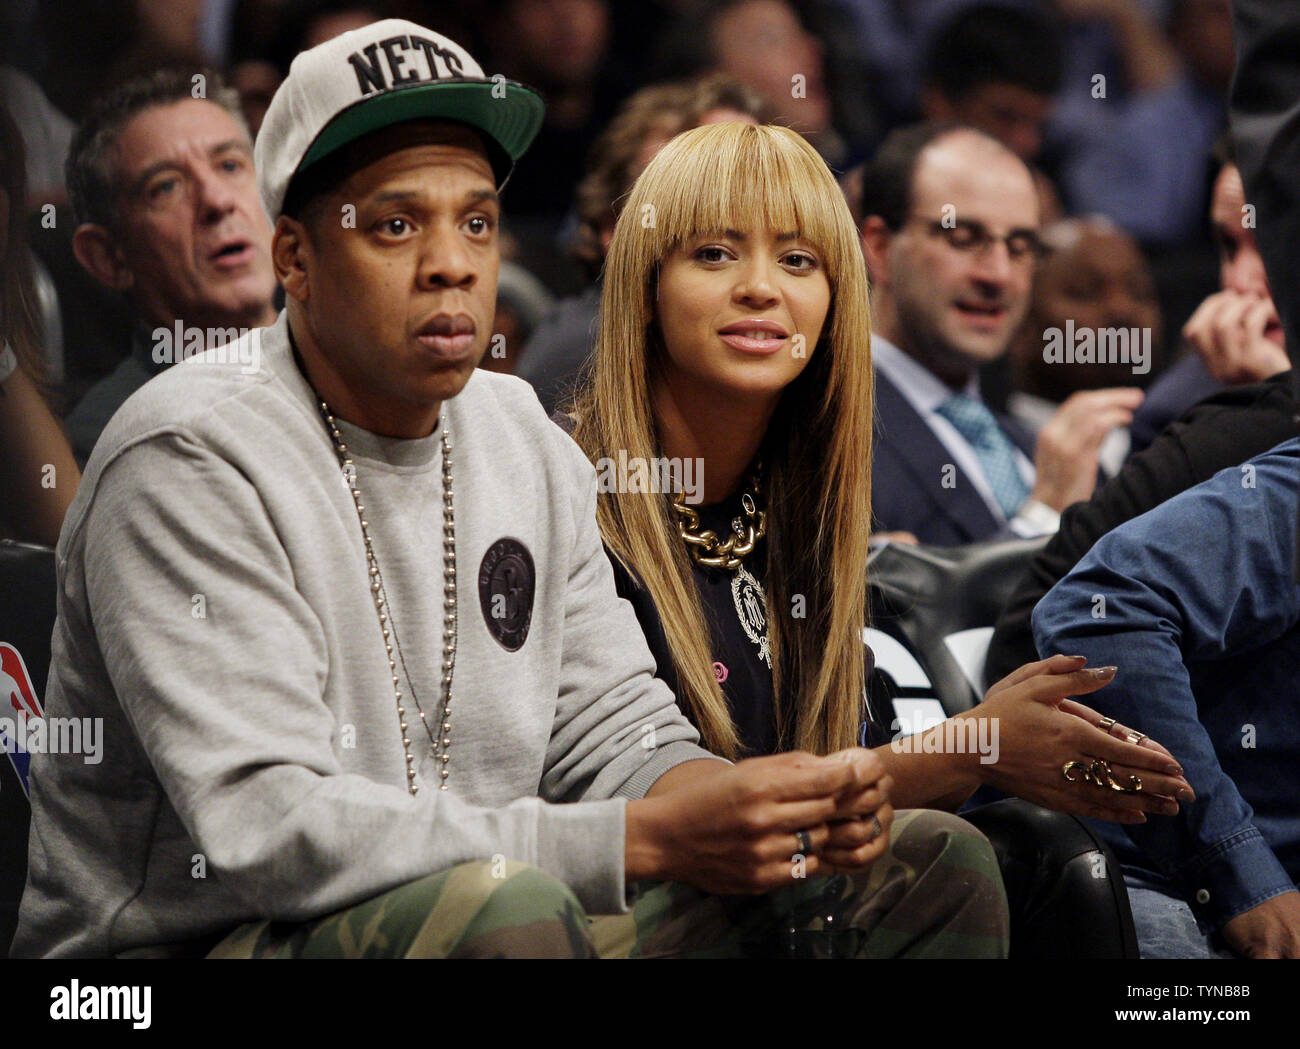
x=907 y=473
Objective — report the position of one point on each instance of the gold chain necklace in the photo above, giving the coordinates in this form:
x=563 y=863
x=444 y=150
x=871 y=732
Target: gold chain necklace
x=705 y=546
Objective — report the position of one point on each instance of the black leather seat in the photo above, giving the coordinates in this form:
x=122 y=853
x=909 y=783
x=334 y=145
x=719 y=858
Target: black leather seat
x=932 y=615
x=27 y=612
x=1065 y=887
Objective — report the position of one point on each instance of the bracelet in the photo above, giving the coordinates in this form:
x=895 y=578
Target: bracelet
x=8 y=362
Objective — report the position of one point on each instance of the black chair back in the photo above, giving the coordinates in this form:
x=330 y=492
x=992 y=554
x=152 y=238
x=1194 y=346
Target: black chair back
x=940 y=604
x=932 y=616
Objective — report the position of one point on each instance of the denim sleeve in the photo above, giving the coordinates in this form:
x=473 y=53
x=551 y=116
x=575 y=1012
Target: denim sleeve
x=1202 y=576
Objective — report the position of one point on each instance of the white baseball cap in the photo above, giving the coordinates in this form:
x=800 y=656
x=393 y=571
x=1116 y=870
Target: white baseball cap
x=383 y=74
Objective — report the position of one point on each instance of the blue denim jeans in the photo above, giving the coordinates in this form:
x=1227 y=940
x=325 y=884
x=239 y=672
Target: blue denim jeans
x=1165 y=925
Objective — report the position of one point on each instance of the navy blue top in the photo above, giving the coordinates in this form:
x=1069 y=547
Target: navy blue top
x=725 y=596
x=1201 y=614
x=729 y=601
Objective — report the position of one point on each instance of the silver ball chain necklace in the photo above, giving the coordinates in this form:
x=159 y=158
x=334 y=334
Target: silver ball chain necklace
x=441 y=742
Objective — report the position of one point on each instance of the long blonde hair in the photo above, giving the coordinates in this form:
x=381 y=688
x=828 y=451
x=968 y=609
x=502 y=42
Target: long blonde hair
x=816 y=453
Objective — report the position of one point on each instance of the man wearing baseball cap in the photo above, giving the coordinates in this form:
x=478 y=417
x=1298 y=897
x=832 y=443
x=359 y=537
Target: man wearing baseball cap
x=365 y=683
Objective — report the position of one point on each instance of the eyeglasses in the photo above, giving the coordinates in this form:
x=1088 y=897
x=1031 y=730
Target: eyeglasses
x=1023 y=245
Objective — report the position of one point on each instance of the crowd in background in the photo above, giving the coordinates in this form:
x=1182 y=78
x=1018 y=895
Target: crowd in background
x=1116 y=104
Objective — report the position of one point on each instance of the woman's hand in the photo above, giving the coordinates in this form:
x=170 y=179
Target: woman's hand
x=1039 y=730
x=859 y=832
x=737 y=829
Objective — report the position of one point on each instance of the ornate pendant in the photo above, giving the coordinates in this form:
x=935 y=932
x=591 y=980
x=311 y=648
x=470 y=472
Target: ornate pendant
x=751 y=609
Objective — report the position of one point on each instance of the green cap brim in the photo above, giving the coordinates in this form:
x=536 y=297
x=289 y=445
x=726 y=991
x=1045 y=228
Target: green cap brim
x=509 y=113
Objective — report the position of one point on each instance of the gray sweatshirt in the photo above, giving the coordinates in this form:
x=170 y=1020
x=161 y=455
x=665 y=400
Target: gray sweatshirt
x=214 y=610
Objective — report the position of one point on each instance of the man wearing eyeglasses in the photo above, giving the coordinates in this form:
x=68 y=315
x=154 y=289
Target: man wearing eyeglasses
x=951 y=238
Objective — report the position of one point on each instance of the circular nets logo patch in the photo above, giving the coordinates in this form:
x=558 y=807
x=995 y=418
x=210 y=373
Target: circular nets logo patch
x=506 y=582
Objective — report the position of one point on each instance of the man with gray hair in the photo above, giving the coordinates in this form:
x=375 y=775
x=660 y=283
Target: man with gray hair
x=161 y=179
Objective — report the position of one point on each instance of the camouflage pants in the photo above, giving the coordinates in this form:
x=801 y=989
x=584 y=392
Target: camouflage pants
x=475 y=910
x=935 y=893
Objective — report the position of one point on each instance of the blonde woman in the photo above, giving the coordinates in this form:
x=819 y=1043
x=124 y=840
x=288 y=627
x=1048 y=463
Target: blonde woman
x=734 y=358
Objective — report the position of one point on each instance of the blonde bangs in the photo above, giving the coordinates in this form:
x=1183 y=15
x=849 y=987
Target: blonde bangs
x=742 y=177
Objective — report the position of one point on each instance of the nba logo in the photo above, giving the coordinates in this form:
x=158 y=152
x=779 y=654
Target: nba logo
x=17 y=700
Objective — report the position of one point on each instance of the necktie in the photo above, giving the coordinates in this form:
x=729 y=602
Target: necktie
x=996 y=453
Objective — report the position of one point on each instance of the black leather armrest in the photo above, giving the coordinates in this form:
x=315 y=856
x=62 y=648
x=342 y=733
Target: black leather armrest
x=1065 y=887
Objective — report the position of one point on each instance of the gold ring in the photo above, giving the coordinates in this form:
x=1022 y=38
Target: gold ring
x=1136 y=737
x=1134 y=784
x=1106 y=724
x=1074 y=766
x=1098 y=773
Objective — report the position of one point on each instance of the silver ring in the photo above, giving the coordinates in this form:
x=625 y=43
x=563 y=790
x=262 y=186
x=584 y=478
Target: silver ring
x=805 y=842
x=879 y=828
